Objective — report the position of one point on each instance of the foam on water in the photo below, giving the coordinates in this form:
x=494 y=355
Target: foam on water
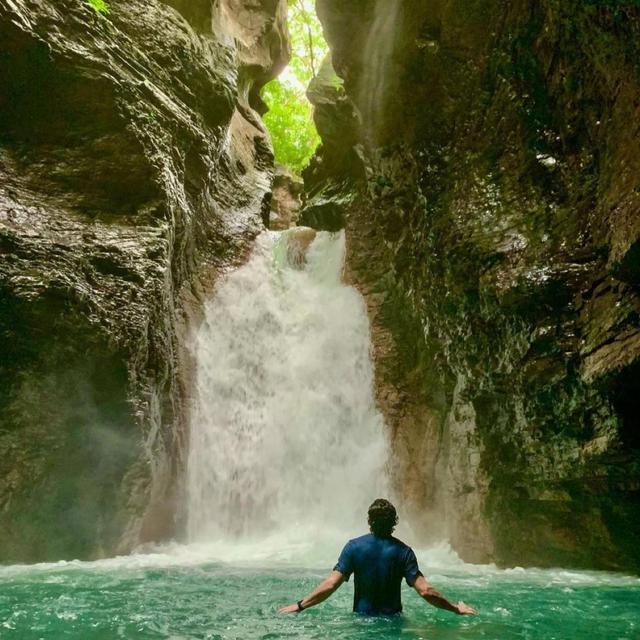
x=303 y=551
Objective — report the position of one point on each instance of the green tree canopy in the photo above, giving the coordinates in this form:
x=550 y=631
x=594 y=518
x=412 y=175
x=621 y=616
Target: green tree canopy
x=290 y=116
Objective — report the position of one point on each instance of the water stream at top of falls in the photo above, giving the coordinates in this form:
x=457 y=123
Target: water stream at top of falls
x=376 y=66
x=285 y=436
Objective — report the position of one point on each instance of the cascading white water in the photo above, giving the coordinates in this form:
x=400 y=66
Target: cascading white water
x=376 y=65
x=285 y=433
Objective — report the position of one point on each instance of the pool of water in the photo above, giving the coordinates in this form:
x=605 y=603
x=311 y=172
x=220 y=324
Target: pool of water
x=192 y=592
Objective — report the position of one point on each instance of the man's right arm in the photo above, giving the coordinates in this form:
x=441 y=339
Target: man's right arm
x=318 y=595
x=436 y=599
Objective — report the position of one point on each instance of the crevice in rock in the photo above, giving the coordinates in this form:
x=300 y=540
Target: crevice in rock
x=625 y=397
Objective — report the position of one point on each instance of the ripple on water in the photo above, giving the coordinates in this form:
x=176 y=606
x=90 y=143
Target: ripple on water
x=193 y=595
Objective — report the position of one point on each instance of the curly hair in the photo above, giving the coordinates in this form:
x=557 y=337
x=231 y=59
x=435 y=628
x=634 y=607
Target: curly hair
x=382 y=518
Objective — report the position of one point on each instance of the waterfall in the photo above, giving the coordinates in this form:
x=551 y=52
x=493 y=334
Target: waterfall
x=377 y=64
x=285 y=433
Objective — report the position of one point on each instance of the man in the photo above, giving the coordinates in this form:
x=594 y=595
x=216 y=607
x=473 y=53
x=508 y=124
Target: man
x=379 y=562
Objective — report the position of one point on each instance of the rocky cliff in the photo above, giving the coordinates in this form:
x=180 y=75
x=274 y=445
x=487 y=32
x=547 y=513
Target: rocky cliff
x=484 y=158
x=133 y=168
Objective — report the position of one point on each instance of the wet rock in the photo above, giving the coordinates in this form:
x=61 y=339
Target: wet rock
x=494 y=234
x=328 y=178
x=297 y=242
x=133 y=168
x=286 y=199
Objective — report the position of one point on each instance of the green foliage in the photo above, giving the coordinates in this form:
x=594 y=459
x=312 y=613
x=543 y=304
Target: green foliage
x=290 y=117
x=308 y=46
x=290 y=123
x=100 y=6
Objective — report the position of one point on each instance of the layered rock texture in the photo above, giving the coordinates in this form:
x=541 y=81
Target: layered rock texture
x=485 y=159
x=133 y=168
x=286 y=199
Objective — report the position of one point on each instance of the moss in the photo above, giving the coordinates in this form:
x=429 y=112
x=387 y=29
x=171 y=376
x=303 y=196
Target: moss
x=99 y=6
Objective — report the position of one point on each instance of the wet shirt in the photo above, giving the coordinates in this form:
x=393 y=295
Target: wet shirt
x=379 y=565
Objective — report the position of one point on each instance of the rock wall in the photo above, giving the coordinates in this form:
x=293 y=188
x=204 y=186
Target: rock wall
x=492 y=207
x=133 y=168
x=286 y=202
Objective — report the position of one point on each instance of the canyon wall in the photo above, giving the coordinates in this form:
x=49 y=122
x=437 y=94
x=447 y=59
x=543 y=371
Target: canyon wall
x=133 y=168
x=484 y=158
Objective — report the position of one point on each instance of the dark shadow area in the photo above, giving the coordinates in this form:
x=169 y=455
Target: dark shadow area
x=67 y=433
x=61 y=127
x=625 y=397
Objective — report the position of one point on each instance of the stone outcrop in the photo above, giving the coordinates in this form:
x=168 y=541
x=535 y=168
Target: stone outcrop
x=286 y=200
x=492 y=209
x=133 y=168
x=336 y=164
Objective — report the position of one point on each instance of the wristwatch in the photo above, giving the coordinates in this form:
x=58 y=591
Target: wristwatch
x=300 y=607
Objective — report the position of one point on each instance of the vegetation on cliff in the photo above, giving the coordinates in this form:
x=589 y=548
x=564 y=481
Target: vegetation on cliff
x=99 y=5
x=290 y=116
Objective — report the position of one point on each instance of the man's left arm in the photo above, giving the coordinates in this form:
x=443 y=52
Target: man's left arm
x=415 y=579
x=326 y=588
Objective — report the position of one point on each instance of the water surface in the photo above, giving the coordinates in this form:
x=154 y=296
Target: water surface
x=184 y=593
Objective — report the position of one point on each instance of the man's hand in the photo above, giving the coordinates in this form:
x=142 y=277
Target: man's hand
x=465 y=609
x=290 y=608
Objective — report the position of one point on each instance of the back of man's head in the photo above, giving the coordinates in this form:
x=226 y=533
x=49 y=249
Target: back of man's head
x=382 y=518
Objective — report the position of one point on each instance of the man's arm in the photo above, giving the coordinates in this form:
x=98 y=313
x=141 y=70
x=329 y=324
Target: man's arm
x=436 y=599
x=319 y=594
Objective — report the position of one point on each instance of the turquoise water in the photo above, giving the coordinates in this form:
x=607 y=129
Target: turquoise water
x=180 y=594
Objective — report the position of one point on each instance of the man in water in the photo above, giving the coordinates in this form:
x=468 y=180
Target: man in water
x=379 y=562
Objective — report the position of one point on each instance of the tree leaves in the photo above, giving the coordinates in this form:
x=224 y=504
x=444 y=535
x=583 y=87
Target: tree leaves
x=290 y=116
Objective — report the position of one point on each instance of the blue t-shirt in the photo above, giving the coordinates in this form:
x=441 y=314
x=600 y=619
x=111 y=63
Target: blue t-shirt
x=379 y=565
